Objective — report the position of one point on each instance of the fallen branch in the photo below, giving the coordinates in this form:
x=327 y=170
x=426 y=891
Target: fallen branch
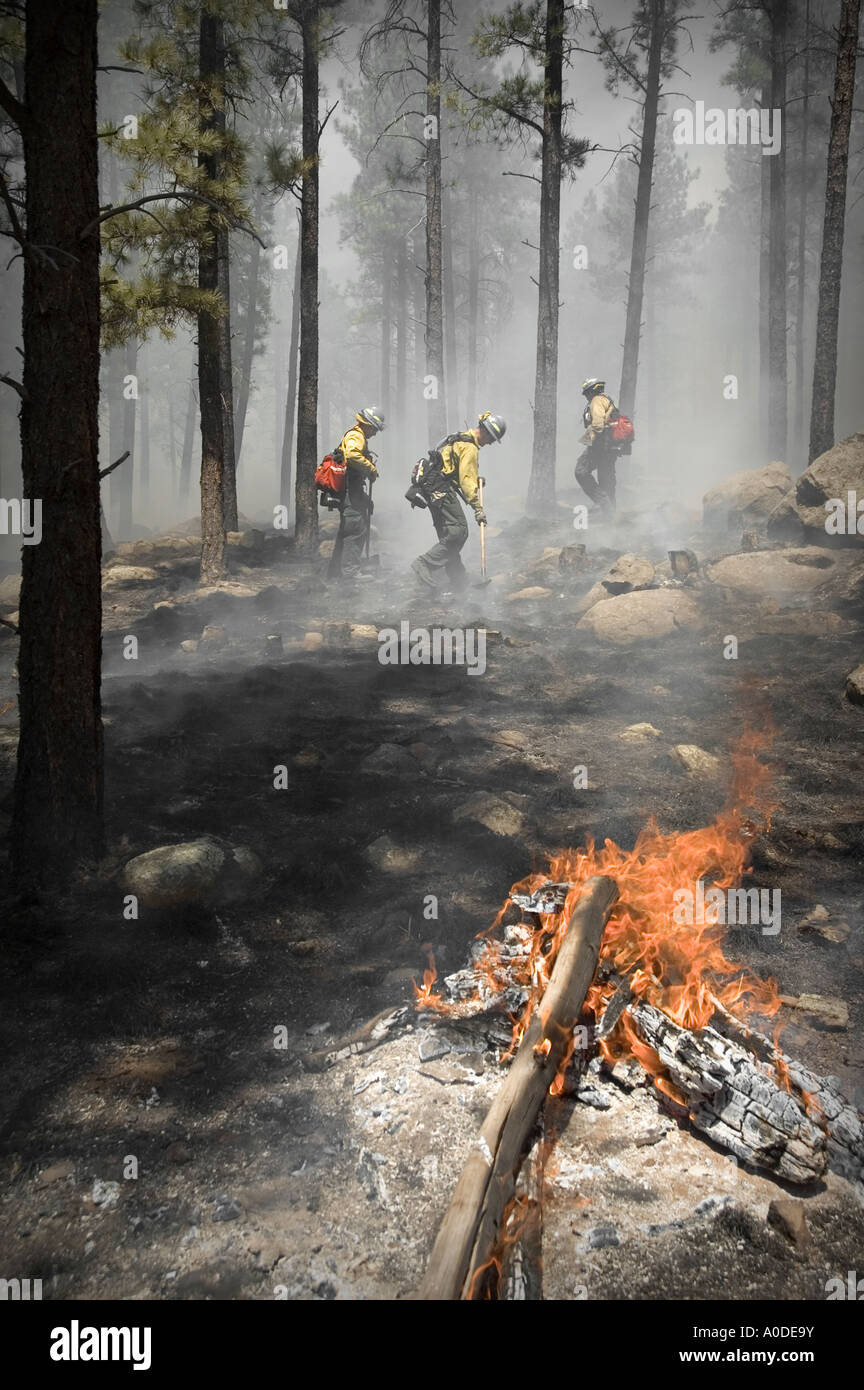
x=377 y=1031
x=470 y=1232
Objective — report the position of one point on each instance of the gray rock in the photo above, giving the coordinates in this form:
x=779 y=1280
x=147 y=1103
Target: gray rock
x=599 y=1237
x=197 y=871
x=778 y=574
x=790 y=1218
x=385 y=855
x=629 y=572
x=855 y=686
x=801 y=514
x=643 y=616
x=431 y=1046
x=491 y=812
x=389 y=759
x=745 y=498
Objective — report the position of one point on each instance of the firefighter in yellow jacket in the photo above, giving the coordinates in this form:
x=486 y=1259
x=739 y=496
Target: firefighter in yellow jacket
x=457 y=479
x=357 y=505
x=601 y=454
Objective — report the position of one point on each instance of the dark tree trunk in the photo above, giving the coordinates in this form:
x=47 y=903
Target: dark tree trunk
x=639 y=247
x=144 y=469
x=248 y=349
x=451 y=361
x=801 y=255
x=777 y=259
x=122 y=479
x=764 y=290
x=473 y=299
x=386 y=329
x=541 y=488
x=437 y=403
x=215 y=387
x=831 y=260
x=401 y=335
x=113 y=366
x=306 y=523
x=57 y=813
x=185 y=480
x=418 y=280
x=291 y=391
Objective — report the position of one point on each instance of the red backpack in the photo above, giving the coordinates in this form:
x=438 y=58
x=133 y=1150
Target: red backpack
x=330 y=474
x=622 y=429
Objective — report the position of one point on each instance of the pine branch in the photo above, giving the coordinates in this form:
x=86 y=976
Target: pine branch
x=162 y=197
x=15 y=109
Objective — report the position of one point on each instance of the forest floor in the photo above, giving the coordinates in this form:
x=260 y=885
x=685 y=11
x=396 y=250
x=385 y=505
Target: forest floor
x=156 y=1144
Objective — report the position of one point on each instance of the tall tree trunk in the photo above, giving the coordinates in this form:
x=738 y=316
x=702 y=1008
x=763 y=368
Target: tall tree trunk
x=764 y=288
x=306 y=522
x=541 y=488
x=113 y=366
x=213 y=330
x=801 y=255
x=777 y=268
x=473 y=297
x=401 y=335
x=436 y=388
x=248 y=348
x=386 y=329
x=451 y=362
x=831 y=260
x=185 y=480
x=122 y=495
x=291 y=392
x=144 y=468
x=418 y=281
x=57 y=812
x=639 y=247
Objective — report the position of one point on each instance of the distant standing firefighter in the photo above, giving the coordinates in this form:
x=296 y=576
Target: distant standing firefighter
x=444 y=486
x=601 y=454
x=356 y=507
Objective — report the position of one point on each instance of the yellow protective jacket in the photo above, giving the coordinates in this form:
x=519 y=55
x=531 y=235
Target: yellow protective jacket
x=355 y=449
x=461 y=466
x=597 y=416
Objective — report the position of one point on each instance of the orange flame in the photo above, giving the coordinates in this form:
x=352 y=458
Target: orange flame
x=680 y=968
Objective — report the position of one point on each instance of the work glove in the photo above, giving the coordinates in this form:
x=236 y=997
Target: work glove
x=373 y=472
x=480 y=517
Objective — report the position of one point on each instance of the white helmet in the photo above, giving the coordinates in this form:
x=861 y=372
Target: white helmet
x=373 y=415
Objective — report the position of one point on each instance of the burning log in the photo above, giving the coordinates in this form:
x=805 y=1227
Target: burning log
x=469 y=1234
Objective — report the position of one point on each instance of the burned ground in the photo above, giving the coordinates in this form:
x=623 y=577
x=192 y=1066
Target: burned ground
x=255 y=1175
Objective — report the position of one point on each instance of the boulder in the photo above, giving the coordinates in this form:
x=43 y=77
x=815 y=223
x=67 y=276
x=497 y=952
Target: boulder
x=118 y=576
x=638 y=733
x=779 y=574
x=855 y=686
x=696 y=762
x=385 y=855
x=746 y=498
x=629 y=572
x=572 y=559
x=492 y=813
x=800 y=515
x=643 y=616
x=204 y=871
x=390 y=759
x=528 y=595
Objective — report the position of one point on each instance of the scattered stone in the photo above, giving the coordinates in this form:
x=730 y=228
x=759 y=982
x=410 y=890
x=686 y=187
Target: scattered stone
x=819 y=923
x=337 y=633
x=855 y=686
x=65 y=1168
x=313 y=641
x=178 y=1152
x=119 y=575
x=599 y=1237
x=492 y=813
x=628 y=573
x=190 y=645
x=572 y=559
x=214 y=637
x=638 y=733
x=533 y=592
x=226 y=1209
x=649 y=1138
x=431 y=1046
x=389 y=858
x=696 y=762
x=590 y=1095
x=307 y=757
x=834 y=1013
x=105 y=1194
x=390 y=759
x=790 y=1218
x=511 y=738
x=364 y=632
x=446 y=1074
x=642 y=616
x=746 y=498
x=197 y=871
